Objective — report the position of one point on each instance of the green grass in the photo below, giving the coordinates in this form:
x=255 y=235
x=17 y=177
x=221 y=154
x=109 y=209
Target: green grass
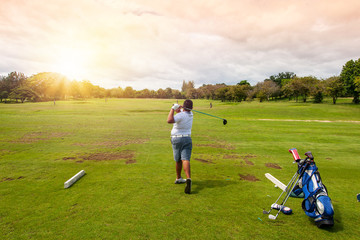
x=42 y=146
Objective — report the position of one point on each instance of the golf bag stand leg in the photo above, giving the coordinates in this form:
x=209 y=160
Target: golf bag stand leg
x=287 y=187
x=292 y=184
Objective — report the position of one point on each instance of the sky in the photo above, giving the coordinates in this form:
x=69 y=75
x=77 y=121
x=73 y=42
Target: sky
x=161 y=43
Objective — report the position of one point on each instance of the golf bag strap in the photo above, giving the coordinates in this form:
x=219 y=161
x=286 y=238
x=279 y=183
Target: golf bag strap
x=315 y=171
x=315 y=193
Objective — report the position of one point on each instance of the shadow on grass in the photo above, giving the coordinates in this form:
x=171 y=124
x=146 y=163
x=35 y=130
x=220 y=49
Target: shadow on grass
x=199 y=185
x=338 y=225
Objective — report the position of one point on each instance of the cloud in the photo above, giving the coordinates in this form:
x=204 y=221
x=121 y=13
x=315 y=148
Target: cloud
x=158 y=44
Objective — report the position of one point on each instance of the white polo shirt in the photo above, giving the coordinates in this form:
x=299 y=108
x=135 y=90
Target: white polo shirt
x=183 y=123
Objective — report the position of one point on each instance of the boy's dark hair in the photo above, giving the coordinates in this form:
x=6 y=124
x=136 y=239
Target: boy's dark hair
x=188 y=104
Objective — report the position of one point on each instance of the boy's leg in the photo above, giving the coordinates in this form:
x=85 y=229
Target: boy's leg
x=186 y=166
x=179 y=165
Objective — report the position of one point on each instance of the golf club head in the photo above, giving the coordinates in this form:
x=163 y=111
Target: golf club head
x=224 y=121
x=272 y=217
x=266 y=212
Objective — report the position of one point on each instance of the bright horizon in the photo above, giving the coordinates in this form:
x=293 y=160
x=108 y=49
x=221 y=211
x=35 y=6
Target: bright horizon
x=158 y=44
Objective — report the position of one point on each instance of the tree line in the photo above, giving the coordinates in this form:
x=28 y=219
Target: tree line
x=48 y=86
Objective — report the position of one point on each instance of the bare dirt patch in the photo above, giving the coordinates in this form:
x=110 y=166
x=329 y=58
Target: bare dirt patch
x=39 y=136
x=105 y=156
x=203 y=160
x=231 y=156
x=127 y=155
x=6 y=179
x=130 y=161
x=10 y=179
x=113 y=144
x=4 y=151
x=217 y=145
x=273 y=165
x=248 y=177
x=248 y=162
x=170 y=213
x=244 y=157
x=247 y=157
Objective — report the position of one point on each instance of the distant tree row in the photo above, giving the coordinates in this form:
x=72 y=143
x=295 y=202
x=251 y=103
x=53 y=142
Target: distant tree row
x=49 y=86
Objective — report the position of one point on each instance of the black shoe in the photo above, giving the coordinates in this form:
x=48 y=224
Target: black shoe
x=188 y=186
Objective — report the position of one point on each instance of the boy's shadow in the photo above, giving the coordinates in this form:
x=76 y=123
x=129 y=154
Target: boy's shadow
x=199 y=185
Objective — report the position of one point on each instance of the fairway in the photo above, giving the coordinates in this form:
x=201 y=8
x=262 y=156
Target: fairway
x=128 y=191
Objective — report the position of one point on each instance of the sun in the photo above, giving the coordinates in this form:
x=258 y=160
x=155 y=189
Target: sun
x=72 y=63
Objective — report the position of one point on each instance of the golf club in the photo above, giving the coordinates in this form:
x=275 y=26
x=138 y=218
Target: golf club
x=292 y=184
x=287 y=187
x=224 y=120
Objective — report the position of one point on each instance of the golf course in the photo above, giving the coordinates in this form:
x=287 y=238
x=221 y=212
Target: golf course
x=128 y=191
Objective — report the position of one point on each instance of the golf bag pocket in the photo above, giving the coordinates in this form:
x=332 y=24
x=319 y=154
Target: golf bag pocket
x=308 y=205
x=318 y=207
x=324 y=206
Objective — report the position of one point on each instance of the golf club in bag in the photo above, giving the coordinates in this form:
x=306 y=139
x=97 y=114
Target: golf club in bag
x=224 y=120
x=307 y=182
x=288 y=190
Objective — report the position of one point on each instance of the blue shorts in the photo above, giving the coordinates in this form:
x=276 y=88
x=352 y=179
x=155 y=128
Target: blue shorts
x=182 y=147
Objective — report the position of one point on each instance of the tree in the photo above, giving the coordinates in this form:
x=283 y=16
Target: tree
x=283 y=75
x=281 y=79
x=240 y=92
x=260 y=91
x=129 y=92
x=23 y=93
x=302 y=86
x=292 y=89
x=265 y=90
x=318 y=92
x=98 y=92
x=4 y=95
x=220 y=93
x=12 y=81
x=86 y=89
x=208 y=91
x=74 y=90
x=49 y=85
x=316 y=88
x=145 y=93
x=161 y=93
x=187 y=88
x=176 y=94
x=334 y=87
x=168 y=92
x=357 y=83
x=243 y=82
x=348 y=74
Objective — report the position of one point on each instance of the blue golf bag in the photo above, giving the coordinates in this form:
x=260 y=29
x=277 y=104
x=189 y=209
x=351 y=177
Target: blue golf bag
x=316 y=204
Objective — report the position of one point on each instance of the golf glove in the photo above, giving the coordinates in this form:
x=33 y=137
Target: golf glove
x=175 y=106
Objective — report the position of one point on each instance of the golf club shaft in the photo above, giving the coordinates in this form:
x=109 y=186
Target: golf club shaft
x=296 y=180
x=204 y=113
x=287 y=189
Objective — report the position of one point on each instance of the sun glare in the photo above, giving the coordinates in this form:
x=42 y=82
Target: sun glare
x=72 y=63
